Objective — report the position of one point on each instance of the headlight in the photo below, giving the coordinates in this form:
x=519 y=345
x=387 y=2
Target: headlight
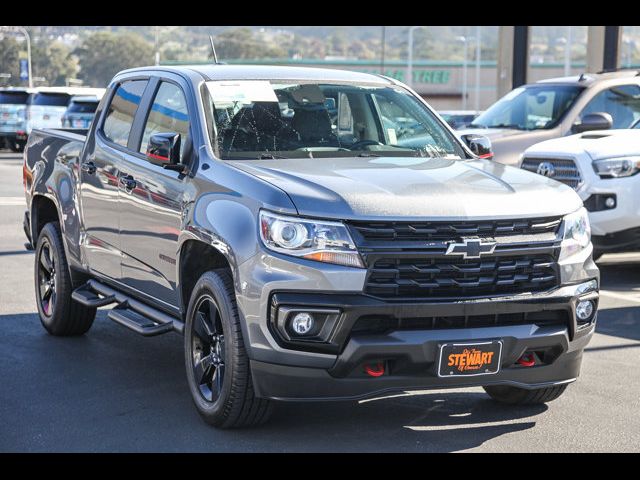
x=577 y=233
x=617 y=167
x=322 y=241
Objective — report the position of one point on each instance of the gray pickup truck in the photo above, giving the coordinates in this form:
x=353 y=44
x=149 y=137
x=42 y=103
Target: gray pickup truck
x=314 y=235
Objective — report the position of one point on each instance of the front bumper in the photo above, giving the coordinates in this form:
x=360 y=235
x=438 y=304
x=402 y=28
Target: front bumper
x=411 y=355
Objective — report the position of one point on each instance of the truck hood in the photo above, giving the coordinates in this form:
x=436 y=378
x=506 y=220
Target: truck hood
x=412 y=188
x=597 y=144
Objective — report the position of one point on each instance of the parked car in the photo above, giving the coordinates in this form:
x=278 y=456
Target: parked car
x=602 y=166
x=13 y=116
x=80 y=111
x=306 y=256
x=459 y=118
x=558 y=107
x=47 y=105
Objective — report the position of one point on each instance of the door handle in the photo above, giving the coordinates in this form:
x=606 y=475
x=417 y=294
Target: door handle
x=128 y=182
x=89 y=167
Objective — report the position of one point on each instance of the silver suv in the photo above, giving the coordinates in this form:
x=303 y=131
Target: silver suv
x=557 y=107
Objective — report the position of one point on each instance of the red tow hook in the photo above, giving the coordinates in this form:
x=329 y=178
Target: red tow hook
x=374 y=369
x=527 y=360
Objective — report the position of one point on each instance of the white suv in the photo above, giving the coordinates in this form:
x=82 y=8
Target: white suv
x=602 y=166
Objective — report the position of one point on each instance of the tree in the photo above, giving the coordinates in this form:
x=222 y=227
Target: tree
x=53 y=61
x=241 y=43
x=9 y=59
x=103 y=54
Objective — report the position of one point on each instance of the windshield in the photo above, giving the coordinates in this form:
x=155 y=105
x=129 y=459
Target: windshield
x=13 y=98
x=82 y=107
x=534 y=107
x=51 y=99
x=272 y=119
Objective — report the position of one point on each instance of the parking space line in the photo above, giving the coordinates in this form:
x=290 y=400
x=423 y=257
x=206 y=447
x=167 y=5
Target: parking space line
x=12 y=201
x=619 y=296
x=464 y=426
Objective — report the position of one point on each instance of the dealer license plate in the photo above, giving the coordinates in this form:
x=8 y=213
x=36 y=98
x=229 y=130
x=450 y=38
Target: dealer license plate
x=467 y=359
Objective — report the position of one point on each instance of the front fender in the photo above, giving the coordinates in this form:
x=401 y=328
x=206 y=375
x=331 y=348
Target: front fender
x=225 y=223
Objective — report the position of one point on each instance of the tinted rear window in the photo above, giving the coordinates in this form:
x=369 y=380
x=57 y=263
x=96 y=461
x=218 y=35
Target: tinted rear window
x=83 y=107
x=13 y=98
x=51 y=99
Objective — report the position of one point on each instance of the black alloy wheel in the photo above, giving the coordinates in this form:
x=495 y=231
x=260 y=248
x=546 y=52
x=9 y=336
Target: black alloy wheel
x=46 y=279
x=208 y=354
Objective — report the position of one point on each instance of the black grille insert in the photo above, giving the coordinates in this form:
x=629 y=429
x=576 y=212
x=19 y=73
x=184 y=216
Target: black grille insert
x=445 y=231
x=456 y=277
x=376 y=324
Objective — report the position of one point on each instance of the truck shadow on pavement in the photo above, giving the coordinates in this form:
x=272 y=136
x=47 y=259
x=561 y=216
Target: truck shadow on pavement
x=111 y=390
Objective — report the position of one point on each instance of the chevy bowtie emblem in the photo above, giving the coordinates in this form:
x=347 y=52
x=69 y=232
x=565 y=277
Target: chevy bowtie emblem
x=471 y=248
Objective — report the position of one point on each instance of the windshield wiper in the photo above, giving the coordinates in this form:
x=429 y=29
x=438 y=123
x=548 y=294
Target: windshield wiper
x=506 y=125
x=476 y=125
x=270 y=156
x=367 y=154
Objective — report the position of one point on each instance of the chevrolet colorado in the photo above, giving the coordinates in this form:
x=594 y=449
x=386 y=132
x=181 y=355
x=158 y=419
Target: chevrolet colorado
x=314 y=235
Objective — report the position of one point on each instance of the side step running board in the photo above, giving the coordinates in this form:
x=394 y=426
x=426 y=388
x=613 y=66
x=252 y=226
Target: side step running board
x=128 y=312
x=137 y=323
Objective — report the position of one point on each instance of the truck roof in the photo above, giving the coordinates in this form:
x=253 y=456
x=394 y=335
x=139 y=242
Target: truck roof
x=268 y=72
x=589 y=78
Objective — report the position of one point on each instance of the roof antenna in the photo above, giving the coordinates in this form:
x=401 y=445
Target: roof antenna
x=213 y=50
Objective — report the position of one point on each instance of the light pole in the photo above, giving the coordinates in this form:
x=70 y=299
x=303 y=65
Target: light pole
x=410 y=57
x=463 y=39
x=24 y=32
x=156 y=45
x=629 y=44
x=567 y=53
x=478 y=53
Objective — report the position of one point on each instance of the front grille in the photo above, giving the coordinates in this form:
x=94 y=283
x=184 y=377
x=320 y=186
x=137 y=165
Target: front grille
x=419 y=277
x=438 y=230
x=373 y=324
x=563 y=170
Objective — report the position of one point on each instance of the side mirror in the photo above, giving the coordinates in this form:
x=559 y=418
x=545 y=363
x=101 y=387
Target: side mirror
x=164 y=149
x=593 y=121
x=479 y=144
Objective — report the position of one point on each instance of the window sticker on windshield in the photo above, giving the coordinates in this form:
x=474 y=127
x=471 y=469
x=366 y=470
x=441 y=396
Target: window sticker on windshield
x=391 y=133
x=243 y=91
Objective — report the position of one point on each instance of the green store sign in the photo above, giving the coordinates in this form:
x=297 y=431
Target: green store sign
x=438 y=77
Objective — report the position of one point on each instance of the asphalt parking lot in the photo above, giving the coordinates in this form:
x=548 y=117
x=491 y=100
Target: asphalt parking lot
x=112 y=390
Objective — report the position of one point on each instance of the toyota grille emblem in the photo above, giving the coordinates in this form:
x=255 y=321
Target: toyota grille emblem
x=546 y=169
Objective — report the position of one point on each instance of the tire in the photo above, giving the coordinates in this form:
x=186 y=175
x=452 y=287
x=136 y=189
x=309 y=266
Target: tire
x=216 y=362
x=59 y=314
x=522 y=396
x=17 y=147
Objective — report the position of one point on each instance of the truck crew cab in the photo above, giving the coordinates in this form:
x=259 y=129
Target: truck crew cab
x=314 y=235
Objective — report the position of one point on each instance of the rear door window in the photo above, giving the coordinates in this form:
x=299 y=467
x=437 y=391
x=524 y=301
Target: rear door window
x=83 y=107
x=51 y=99
x=122 y=110
x=13 y=98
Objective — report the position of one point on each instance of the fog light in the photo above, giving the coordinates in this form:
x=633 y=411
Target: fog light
x=610 y=202
x=584 y=310
x=302 y=323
